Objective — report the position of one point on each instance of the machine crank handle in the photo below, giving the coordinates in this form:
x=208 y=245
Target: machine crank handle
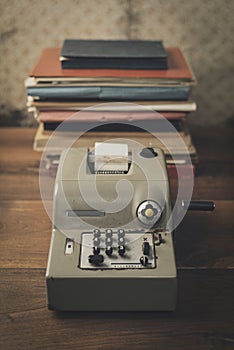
x=198 y=205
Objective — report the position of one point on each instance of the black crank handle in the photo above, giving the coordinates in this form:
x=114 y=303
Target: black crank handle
x=198 y=205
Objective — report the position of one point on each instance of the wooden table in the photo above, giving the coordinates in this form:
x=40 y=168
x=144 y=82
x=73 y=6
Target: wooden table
x=204 y=318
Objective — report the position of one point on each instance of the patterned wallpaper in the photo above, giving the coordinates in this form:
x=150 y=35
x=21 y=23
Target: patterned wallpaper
x=203 y=29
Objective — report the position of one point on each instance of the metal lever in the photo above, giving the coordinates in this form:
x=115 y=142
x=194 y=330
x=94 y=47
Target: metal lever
x=198 y=205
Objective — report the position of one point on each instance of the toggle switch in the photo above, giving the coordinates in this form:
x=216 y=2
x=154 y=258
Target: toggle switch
x=146 y=248
x=144 y=260
x=160 y=239
x=69 y=247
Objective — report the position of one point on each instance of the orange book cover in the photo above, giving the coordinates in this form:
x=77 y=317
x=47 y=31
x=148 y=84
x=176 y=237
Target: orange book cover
x=49 y=65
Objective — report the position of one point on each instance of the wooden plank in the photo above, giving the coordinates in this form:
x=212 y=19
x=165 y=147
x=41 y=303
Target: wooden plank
x=204 y=317
x=202 y=239
x=206 y=239
x=25 y=234
x=16 y=146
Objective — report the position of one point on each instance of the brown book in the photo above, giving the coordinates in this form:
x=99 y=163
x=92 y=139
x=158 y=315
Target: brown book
x=89 y=116
x=48 y=68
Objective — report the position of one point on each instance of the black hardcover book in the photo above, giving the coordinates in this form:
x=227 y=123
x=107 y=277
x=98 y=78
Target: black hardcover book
x=113 y=54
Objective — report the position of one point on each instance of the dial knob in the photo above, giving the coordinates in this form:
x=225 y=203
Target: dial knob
x=149 y=212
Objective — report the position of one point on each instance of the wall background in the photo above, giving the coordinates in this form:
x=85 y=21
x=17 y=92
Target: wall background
x=203 y=29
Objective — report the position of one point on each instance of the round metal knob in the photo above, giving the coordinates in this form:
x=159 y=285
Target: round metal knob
x=149 y=212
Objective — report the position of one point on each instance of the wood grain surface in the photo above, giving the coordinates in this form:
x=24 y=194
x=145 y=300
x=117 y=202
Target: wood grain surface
x=204 y=318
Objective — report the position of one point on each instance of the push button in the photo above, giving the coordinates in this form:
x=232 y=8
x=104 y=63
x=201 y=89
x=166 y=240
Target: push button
x=96 y=250
x=109 y=241
x=109 y=251
x=121 y=250
x=109 y=233
x=121 y=232
x=96 y=233
x=121 y=241
x=96 y=241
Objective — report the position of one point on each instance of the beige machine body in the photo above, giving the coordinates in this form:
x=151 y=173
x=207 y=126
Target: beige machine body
x=111 y=247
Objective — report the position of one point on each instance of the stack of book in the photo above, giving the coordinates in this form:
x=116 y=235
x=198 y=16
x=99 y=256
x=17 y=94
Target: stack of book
x=143 y=75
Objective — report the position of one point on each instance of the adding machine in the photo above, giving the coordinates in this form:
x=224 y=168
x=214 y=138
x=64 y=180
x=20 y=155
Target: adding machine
x=112 y=248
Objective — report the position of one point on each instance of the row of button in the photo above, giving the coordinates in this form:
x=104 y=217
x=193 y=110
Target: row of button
x=97 y=259
x=108 y=232
x=108 y=241
x=109 y=250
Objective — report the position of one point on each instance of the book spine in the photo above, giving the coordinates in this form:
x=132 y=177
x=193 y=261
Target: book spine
x=113 y=63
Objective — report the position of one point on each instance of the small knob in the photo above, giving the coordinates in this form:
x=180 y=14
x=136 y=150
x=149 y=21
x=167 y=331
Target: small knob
x=121 y=250
x=96 y=259
x=144 y=260
x=148 y=152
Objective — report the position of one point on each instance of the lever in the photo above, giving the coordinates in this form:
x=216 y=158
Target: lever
x=198 y=205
